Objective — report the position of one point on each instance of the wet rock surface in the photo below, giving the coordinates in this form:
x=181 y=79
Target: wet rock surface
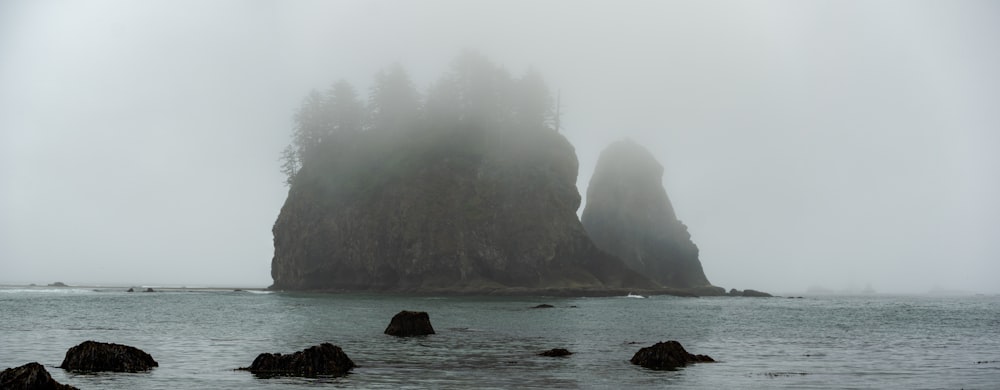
x=410 y=323
x=666 y=356
x=31 y=376
x=96 y=356
x=323 y=359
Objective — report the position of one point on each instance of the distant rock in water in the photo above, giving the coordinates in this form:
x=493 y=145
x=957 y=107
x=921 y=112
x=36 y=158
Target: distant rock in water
x=629 y=215
x=666 y=356
x=96 y=356
x=410 y=323
x=323 y=359
x=58 y=284
x=749 y=293
x=31 y=376
x=543 y=306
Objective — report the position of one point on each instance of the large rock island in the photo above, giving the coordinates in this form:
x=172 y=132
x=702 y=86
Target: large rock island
x=466 y=190
x=463 y=210
x=629 y=215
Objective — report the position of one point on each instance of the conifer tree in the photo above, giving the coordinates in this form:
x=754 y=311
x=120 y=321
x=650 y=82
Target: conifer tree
x=312 y=124
x=394 y=103
x=532 y=101
x=290 y=163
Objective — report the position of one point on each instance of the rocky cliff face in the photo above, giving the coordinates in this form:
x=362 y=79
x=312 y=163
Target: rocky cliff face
x=446 y=210
x=629 y=215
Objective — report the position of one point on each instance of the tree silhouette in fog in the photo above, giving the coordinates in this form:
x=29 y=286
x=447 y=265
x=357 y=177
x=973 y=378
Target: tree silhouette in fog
x=474 y=94
x=394 y=103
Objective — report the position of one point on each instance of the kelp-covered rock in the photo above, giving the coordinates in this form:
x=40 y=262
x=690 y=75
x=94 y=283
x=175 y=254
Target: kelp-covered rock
x=97 y=356
x=31 y=376
x=667 y=355
x=323 y=359
x=410 y=323
x=629 y=215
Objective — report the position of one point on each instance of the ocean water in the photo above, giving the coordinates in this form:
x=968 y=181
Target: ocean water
x=199 y=338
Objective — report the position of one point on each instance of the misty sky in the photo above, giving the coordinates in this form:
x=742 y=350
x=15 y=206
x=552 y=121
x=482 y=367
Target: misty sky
x=805 y=143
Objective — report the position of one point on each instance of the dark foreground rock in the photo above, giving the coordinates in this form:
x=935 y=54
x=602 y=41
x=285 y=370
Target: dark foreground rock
x=323 y=359
x=667 y=355
x=556 y=352
x=31 y=376
x=410 y=323
x=96 y=356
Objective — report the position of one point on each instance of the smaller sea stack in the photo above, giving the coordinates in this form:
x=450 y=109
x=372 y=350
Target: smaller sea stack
x=629 y=215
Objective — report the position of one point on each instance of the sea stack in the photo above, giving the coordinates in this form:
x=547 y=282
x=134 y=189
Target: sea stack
x=629 y=215
x=468 y=188
x=466 y=210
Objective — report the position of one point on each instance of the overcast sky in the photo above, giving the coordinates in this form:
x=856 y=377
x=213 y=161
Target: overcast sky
x=805 y=143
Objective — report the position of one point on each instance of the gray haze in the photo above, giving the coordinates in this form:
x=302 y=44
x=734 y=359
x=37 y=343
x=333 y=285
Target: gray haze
x=805 y=143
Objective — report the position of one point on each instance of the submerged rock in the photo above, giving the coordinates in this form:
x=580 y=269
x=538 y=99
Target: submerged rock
x=556 y=352
x=323 y=359
x=410 y=323
x=629 y=215
x=31 y=376
x=667 y=355
x=543 y=306
x=97 y=356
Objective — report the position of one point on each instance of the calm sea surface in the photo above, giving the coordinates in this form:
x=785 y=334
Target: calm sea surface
x=198 y=338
